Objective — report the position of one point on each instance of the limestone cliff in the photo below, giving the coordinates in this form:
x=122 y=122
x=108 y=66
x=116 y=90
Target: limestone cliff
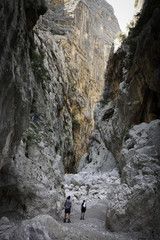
x=48 y=79
x=16 y=95
x=31 y=164
x=17 y=20
x=85 y=30
x=127 y=128
x=31 y=179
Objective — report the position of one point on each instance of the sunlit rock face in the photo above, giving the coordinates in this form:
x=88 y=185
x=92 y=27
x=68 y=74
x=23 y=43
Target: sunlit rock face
x=85 y=30
x=127 y=128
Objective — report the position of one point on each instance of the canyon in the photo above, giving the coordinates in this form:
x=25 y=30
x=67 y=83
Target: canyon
x=73 y=112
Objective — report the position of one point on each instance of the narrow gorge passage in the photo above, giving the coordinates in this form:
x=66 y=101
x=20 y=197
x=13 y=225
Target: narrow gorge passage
x=79 y=106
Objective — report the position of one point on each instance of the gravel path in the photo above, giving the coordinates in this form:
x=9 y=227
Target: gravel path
x=93 y=226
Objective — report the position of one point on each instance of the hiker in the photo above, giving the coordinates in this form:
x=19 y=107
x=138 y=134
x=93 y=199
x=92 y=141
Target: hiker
x=83 y=210
x=68 y=207
x=87 y=189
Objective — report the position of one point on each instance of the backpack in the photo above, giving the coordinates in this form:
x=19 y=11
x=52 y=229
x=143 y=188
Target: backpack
x=83 y=204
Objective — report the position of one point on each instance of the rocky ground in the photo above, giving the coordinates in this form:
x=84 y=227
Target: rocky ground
x=45 y=227
x=93 y=226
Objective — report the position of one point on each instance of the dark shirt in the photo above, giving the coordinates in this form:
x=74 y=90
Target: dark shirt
x=68 y=204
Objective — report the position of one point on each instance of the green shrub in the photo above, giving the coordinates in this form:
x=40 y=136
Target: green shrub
x=40 y=72
x=132 y=49
x=136 y=3
x=121 y=36
x=131 y=25
x=104 y=101
x=75 y=124
x=33 y=136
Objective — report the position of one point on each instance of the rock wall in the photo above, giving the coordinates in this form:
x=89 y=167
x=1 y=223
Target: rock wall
x=31 y=167
x=47 y=88
x=127 y=129
x=45 y=76
x=15 y=71
x=85 y=30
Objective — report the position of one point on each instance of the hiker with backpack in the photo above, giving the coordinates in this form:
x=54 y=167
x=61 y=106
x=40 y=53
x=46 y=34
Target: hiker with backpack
x=83 y=210
x=68 y=207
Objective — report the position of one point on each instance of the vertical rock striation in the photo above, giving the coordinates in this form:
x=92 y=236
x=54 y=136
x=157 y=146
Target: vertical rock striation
x=48 y=80
x=15 y=71
x=85 y=30
x=21 y=183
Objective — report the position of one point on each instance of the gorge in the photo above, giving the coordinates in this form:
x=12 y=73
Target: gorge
x=74 y=112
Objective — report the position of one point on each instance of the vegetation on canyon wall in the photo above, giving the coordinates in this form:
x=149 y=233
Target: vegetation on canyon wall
x=40 y=72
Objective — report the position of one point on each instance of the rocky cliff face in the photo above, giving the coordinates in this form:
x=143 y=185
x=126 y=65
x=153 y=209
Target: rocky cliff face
x=31 y=166
x=127 y=128
x=48 y=77
x=17 y=90
x=17 y=19
x=85 y=30
x=31 y=179
x=48 y=80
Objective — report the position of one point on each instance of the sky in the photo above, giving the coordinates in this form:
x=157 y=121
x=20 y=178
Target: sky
x=123 y=10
